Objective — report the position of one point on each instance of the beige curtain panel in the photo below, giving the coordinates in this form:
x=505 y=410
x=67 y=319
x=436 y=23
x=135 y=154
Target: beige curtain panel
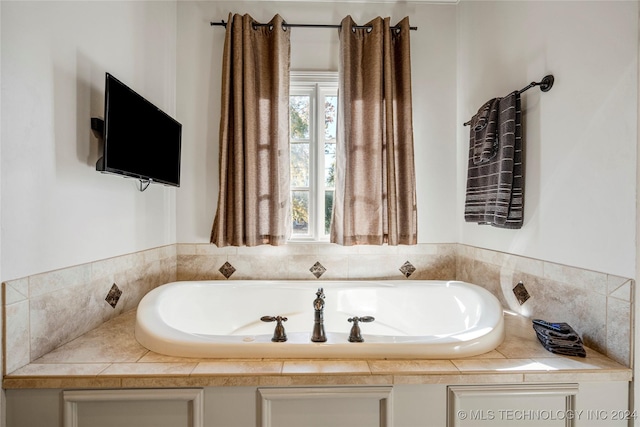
x=375 y=197
x=253 y=201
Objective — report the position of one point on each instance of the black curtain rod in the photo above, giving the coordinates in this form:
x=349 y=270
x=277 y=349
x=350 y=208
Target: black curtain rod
x=545 y=86
x=224 y=24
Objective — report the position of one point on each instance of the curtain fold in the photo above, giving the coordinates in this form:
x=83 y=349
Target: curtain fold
x=253 y=202
x=375 y=196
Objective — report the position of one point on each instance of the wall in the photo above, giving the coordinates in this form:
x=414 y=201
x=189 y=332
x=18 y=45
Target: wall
x=57 y=211
x=433 y=49
x=580 y=137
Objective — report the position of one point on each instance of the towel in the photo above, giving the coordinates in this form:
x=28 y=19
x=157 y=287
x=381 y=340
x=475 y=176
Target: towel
x=495 y=188
x=484 y=132
x=559 y=338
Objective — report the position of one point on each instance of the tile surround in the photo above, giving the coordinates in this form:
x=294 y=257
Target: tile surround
x=45 y=311
x=513 y=361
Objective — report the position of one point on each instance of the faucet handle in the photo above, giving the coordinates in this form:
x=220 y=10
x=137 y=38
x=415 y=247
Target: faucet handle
x=279 y=334
x=364 y=319
x=354 y=335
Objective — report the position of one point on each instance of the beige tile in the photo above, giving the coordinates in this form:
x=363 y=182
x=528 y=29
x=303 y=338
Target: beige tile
x=500 y=365
x=518 y=348
x=378 y=267
x=151 y=369
x=398 y=367
x=108 y=268
x=57 y=280
x=493 y=354
x=16 y=290
x=59 y=317
x=17 y=348
x=587 y=279
x=201 y=267
x=209 y=249
x=622 y=292
x=60 y=369
x=238 y=368
x=619 y=327
x=111 y=342
x=298 y=267
x=565 y=376
x=151 y=357
x=187 y=381
x=92 y=382
x=258 y=267
x=471 y=378
x=327 y=367
x=614 y=282
x=187 y=249
x=333 y=379
x=579 y=363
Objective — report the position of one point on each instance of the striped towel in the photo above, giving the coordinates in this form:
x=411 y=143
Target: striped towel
x=484 y=133
x=495 y=188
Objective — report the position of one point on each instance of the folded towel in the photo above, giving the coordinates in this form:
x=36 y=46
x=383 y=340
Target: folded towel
x=495 y=189
x=484 y=132
x=559 y=338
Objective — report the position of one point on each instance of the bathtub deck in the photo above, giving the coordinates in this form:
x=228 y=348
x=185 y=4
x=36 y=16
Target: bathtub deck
x=110 y=357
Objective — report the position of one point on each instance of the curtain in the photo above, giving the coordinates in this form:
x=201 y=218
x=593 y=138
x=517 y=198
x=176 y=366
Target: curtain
x=375 y=196
x=253 y=202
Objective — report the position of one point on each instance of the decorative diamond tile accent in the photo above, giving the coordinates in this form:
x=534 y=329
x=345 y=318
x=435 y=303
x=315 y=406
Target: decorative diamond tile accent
x=407 y=269
x=227 y=270
x=521 y=293
x=317 y=269
x=113 y=296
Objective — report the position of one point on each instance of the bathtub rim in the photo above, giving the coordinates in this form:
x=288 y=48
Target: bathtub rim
x=174 y=342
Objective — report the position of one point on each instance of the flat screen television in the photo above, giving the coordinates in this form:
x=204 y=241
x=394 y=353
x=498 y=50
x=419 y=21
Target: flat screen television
x=140 y=140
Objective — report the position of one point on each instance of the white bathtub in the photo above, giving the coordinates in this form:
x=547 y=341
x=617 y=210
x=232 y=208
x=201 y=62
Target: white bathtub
x=413 y=319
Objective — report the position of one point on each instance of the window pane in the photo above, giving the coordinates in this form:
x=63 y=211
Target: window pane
x=329 y=164
x=330 y=109
x=299 y=116
x=299 y=164
x=300 y=211
x=328 y=207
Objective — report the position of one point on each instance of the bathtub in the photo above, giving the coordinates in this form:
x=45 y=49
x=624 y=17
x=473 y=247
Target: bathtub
x=414 y=319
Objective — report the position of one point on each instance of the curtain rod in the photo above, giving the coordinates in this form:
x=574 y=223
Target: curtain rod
x=224 y=24
x=545 y=86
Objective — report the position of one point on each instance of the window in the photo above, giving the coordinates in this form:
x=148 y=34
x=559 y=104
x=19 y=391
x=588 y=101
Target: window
x=313 y=113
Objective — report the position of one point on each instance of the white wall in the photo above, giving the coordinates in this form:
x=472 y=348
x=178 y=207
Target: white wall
x=433 y=49
x=57 y=211
x=580 y=137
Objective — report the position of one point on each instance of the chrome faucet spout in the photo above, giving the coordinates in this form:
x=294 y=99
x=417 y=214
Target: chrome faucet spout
x=318 y=323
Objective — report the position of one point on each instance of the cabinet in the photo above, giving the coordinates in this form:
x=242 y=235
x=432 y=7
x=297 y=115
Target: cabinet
x=539 y=405
x=595 y=404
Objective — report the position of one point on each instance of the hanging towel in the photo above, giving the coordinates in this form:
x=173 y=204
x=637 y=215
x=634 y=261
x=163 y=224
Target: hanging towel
x=484 y=132
x=495 y=188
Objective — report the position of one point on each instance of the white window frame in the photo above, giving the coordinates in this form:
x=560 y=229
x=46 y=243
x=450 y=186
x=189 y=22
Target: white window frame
x=317 y=85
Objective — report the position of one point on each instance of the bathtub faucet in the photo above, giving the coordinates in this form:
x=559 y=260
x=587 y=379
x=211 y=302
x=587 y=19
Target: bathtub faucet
x=318 y=323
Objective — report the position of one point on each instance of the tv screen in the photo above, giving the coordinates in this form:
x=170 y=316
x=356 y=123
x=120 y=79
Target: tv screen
x=140 y=140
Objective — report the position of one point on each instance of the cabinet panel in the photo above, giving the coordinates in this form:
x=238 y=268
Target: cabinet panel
x=321 y=407
x=134 y=408
x=548 y=405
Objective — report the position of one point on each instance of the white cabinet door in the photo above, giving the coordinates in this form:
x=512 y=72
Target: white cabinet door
x=530 y=405
x=133 y=408
x=326 y=406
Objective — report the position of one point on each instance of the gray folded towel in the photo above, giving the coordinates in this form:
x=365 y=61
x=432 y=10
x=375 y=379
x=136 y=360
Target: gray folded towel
x=559 y=338
x=495 y=188
x=484 y=132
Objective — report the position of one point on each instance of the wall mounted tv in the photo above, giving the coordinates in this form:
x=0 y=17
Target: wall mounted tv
x=140 y=140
